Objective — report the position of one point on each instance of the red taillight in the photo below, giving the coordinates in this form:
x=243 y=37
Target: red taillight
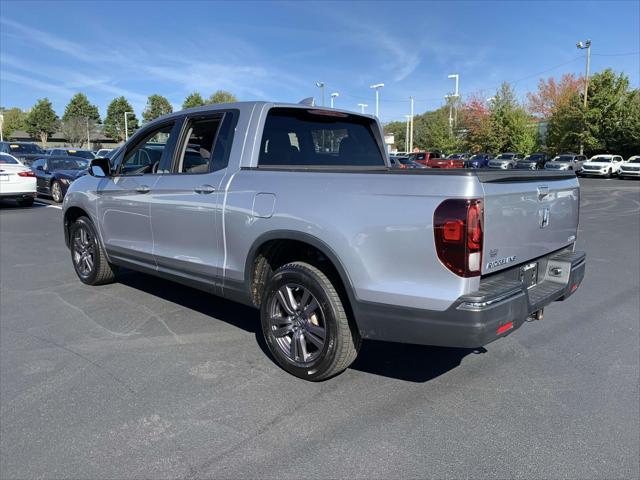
x=402 y=165
x=457 y=225
x=26 y=173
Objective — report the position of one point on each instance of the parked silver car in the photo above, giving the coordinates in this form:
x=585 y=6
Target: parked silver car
x=505 y=161
x=295 y=210
x=566 y=161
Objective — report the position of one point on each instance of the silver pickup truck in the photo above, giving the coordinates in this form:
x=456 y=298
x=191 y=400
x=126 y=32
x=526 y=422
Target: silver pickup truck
x=294 y=210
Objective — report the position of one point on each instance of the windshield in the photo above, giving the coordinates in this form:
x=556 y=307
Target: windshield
x=24 y=148
x=71 y=164
x=456 y=156
x=535 y=157
x=564 y=158
x=634 y=160
x=477 y=157
x=505 y=156
x=8 y=159
x=80 y=153
x=601 y=159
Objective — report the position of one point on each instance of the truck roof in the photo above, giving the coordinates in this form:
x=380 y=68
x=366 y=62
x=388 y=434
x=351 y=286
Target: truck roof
x=250 y=105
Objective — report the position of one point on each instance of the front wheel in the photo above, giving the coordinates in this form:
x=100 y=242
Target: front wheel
x=89 y=259
x=608 y=175
x=305 y=324
x=56 y=192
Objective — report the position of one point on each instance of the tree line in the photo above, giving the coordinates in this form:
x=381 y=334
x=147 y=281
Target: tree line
x=609 y=124
x=81 y=119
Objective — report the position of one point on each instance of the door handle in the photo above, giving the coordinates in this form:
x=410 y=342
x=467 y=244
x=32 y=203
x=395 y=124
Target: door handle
x=142 y=189
x=205 y=189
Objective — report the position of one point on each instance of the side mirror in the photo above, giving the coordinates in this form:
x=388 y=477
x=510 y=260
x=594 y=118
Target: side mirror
x=100 y=167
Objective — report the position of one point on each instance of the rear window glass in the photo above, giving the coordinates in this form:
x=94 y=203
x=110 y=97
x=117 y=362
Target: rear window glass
x=26 y=148
x=300 y=137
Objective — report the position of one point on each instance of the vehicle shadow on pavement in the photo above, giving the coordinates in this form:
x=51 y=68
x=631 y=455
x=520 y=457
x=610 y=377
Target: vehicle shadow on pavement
x=414 y=363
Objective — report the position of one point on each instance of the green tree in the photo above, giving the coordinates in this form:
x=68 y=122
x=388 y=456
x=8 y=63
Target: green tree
x=398 y=130
x=80 y=107
x=42 y=121
x=565 y=126
x=606 y=112
x=157 y=105
x=193 y=100
x=114 y=121
x=431 y=132
x=13 y=119
x=221 y=96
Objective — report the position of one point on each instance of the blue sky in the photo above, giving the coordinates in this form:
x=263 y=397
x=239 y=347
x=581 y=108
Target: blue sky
x=277 y=50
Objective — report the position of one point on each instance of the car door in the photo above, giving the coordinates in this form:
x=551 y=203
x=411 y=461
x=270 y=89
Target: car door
x=123 y=199
x=38 y=168
x=185 y=211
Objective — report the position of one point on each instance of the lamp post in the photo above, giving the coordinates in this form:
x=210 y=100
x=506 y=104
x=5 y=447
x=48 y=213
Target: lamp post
x=362 y=107
x=320 y=85
x=455 y=95
x=333 y=96
x=88 y=135
x=1 y=127
x=411 y=125
x=377 y=88
x=126 y=126
x=585 y=46
x=406 y=139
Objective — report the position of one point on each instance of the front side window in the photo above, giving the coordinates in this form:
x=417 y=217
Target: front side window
x=300 y=137
x=146 y=155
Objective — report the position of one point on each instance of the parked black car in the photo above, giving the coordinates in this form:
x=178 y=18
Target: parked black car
x=72 y=152
x=535 y=161
x=54 y=174
x=26 y=152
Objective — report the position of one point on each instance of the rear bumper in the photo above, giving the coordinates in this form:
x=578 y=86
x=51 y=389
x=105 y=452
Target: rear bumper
x=498 y=308
x=17 y=195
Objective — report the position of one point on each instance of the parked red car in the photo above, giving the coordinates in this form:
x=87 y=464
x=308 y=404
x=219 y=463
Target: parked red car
x=423 y=158
x=455 y=160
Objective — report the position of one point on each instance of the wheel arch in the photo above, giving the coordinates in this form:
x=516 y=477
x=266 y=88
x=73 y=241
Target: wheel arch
x=282 y=238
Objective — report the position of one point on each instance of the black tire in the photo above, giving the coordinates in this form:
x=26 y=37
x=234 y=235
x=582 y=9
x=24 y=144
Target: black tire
x=608 y=175
x=25 y=202
x=56 y=191
x=341 y=340
x=100 y=271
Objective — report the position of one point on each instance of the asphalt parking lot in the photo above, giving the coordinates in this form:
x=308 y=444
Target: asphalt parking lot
x=146 y=378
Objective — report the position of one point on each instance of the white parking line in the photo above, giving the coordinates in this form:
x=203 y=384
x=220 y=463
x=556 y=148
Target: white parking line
x=48 y=205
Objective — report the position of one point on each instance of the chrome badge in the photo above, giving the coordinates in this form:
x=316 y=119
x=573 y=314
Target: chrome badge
x=544 y=217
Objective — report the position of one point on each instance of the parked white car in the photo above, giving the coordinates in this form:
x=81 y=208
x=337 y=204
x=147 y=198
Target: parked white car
x=630 y=168
x=103 y=152
x=602 y=166
x=17 y=182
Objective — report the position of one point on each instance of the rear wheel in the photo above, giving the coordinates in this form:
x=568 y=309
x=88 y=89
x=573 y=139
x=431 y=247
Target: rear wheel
x=25 y=202
x=56 y=192
x=305 y=324
x=89 y=259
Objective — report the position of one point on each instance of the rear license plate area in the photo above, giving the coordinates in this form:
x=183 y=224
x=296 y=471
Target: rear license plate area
x=4 y=177
x=529 y=274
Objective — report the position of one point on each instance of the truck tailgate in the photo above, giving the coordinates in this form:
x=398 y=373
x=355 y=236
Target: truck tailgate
x=527 y=217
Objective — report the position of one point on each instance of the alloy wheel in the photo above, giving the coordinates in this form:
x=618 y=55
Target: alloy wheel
x=56 y=192
x=84 y=251
x=297 y=324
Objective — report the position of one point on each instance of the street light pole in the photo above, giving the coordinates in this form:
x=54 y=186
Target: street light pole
x=455 y=96
x=126 y=126
x=582 y=46
x=411 y=126
x=1 y=127
x=362 y=107
x=406 y=139
x=377 y=88
x=320 y=85
x=88 y=136
x=334 y=95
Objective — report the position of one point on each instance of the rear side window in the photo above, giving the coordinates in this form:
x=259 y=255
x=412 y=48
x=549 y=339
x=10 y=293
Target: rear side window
x=300 y=138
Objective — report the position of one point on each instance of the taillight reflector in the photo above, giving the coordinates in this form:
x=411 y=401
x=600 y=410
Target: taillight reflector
x=505 y=328
x=457 y=225
x=26 y=173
